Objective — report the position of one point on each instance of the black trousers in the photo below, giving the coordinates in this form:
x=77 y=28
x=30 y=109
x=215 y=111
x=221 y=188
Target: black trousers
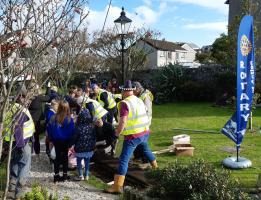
x=36 y=136
x=110 y=114
x=61 y=150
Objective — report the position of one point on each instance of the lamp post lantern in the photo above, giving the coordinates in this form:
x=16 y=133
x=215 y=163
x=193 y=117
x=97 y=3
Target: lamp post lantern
x=122 y=25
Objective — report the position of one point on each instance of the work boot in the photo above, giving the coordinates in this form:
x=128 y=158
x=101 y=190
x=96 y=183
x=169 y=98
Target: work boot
x=154 y=164
x=117 y=187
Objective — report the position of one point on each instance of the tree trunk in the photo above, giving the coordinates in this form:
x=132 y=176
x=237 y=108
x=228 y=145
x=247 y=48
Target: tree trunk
x=1 y=138
x=8 y=168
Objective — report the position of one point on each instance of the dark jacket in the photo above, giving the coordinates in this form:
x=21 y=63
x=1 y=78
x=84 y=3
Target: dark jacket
x=35 y=107
x=84 y=138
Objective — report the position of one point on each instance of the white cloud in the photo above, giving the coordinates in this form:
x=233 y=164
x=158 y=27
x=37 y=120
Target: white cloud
x=142 y=16
x=213 y=26
x=218 y=5
x=147 y=2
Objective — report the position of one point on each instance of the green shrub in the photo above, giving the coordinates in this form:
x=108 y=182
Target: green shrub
x=38 y=193
x=167 y=81
x=198 y=180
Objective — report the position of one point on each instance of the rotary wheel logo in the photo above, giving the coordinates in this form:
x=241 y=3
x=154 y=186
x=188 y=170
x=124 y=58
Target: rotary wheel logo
x=245 y=45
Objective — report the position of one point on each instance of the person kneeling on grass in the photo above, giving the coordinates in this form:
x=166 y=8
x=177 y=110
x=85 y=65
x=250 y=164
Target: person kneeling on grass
x=84 y=141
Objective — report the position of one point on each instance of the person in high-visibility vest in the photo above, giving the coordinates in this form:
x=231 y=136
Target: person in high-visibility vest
x=106 y=99
x=104 y=130
x=95 y=108
x=147 y=97
x=21 y=133
x=134 y=126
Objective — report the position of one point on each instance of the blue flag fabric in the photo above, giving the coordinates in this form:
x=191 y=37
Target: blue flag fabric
x=235 y=128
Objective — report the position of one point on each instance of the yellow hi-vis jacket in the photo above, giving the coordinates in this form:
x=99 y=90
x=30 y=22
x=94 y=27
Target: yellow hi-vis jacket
x=111 y=100
x=28 y=126
x=146 y=93
x=99 y=111
x=138 y=120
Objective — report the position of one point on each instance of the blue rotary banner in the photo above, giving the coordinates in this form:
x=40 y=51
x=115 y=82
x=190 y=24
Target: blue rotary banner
x=235 y=128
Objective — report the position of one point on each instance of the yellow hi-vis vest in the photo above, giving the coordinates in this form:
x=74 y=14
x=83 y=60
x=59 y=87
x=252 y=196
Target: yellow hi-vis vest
x=28 y=126
x=99 y=111
x=145 y=94
x=117 y=96
x=138 y=120
x=111 y=100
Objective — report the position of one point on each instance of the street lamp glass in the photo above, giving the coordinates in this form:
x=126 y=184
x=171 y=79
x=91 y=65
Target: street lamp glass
x=123 y=23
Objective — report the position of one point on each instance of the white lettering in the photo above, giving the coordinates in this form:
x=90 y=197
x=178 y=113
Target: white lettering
x=244 y=106
x=242 y=64
x=243 y=75
x=243 y=85
x=245 y=117
x=244 y=96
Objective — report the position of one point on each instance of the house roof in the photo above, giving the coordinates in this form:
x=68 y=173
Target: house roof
x=192 y=45
x=163 y=45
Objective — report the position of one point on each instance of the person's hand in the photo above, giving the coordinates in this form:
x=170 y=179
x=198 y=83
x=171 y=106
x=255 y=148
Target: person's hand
x=99 y=123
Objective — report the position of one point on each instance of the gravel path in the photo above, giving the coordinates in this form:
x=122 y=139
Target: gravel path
x=42 y=173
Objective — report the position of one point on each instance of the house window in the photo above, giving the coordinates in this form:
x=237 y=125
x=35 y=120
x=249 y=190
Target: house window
x=169 y=54
x=182 y=56
x=177 y=56
x=162 y=53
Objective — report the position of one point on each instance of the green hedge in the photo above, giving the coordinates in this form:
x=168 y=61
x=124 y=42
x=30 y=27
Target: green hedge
x=198 y=180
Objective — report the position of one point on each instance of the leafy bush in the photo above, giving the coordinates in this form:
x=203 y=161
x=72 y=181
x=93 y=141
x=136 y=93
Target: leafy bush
x=198 y=180
x=167 y=81
x=39 y=193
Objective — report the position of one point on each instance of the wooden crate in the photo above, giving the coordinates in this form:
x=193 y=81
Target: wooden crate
x=184 y=150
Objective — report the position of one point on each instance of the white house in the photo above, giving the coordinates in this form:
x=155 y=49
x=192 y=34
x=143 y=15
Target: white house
x=161 y=52
x=18 y=47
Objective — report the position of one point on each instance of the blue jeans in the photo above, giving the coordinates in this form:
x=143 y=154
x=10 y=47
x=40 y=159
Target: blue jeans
x=86 y=163
x=127 y=150
x=19 y=168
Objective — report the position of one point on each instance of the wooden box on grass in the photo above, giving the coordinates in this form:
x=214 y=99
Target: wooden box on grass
x=184 y=150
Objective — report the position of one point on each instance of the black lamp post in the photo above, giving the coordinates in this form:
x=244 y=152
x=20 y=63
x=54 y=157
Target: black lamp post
x=122 y=25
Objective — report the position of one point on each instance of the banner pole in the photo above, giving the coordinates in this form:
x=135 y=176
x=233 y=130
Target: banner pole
x=237 y=152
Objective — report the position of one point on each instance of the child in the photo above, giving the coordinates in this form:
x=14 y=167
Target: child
x=84 y=141
x=60 y=130
x=49 y=113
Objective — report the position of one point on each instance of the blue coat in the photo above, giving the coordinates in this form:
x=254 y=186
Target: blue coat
x=60 y=132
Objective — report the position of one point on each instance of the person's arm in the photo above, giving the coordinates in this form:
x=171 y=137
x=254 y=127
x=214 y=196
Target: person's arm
x=122 y=124
x=148 y=105
x=124 y=112
x=104 y=98
x=18 y=129
x=44 y=98
x=91 y=109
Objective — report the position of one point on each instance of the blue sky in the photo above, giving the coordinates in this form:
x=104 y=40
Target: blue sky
x=197 y=21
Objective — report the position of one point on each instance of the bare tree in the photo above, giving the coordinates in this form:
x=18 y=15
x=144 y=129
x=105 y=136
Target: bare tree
x=106 y=46
x=29 y=31
x=70 y=53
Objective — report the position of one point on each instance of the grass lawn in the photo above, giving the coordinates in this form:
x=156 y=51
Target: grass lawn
x=208 y=146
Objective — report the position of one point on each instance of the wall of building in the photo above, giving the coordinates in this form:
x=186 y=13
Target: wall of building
x=191 y=54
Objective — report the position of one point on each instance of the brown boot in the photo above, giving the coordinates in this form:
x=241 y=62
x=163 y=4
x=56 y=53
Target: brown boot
x=154 y=164
x=117 y=187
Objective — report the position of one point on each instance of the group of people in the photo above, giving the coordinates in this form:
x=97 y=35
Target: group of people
x=75 y=122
